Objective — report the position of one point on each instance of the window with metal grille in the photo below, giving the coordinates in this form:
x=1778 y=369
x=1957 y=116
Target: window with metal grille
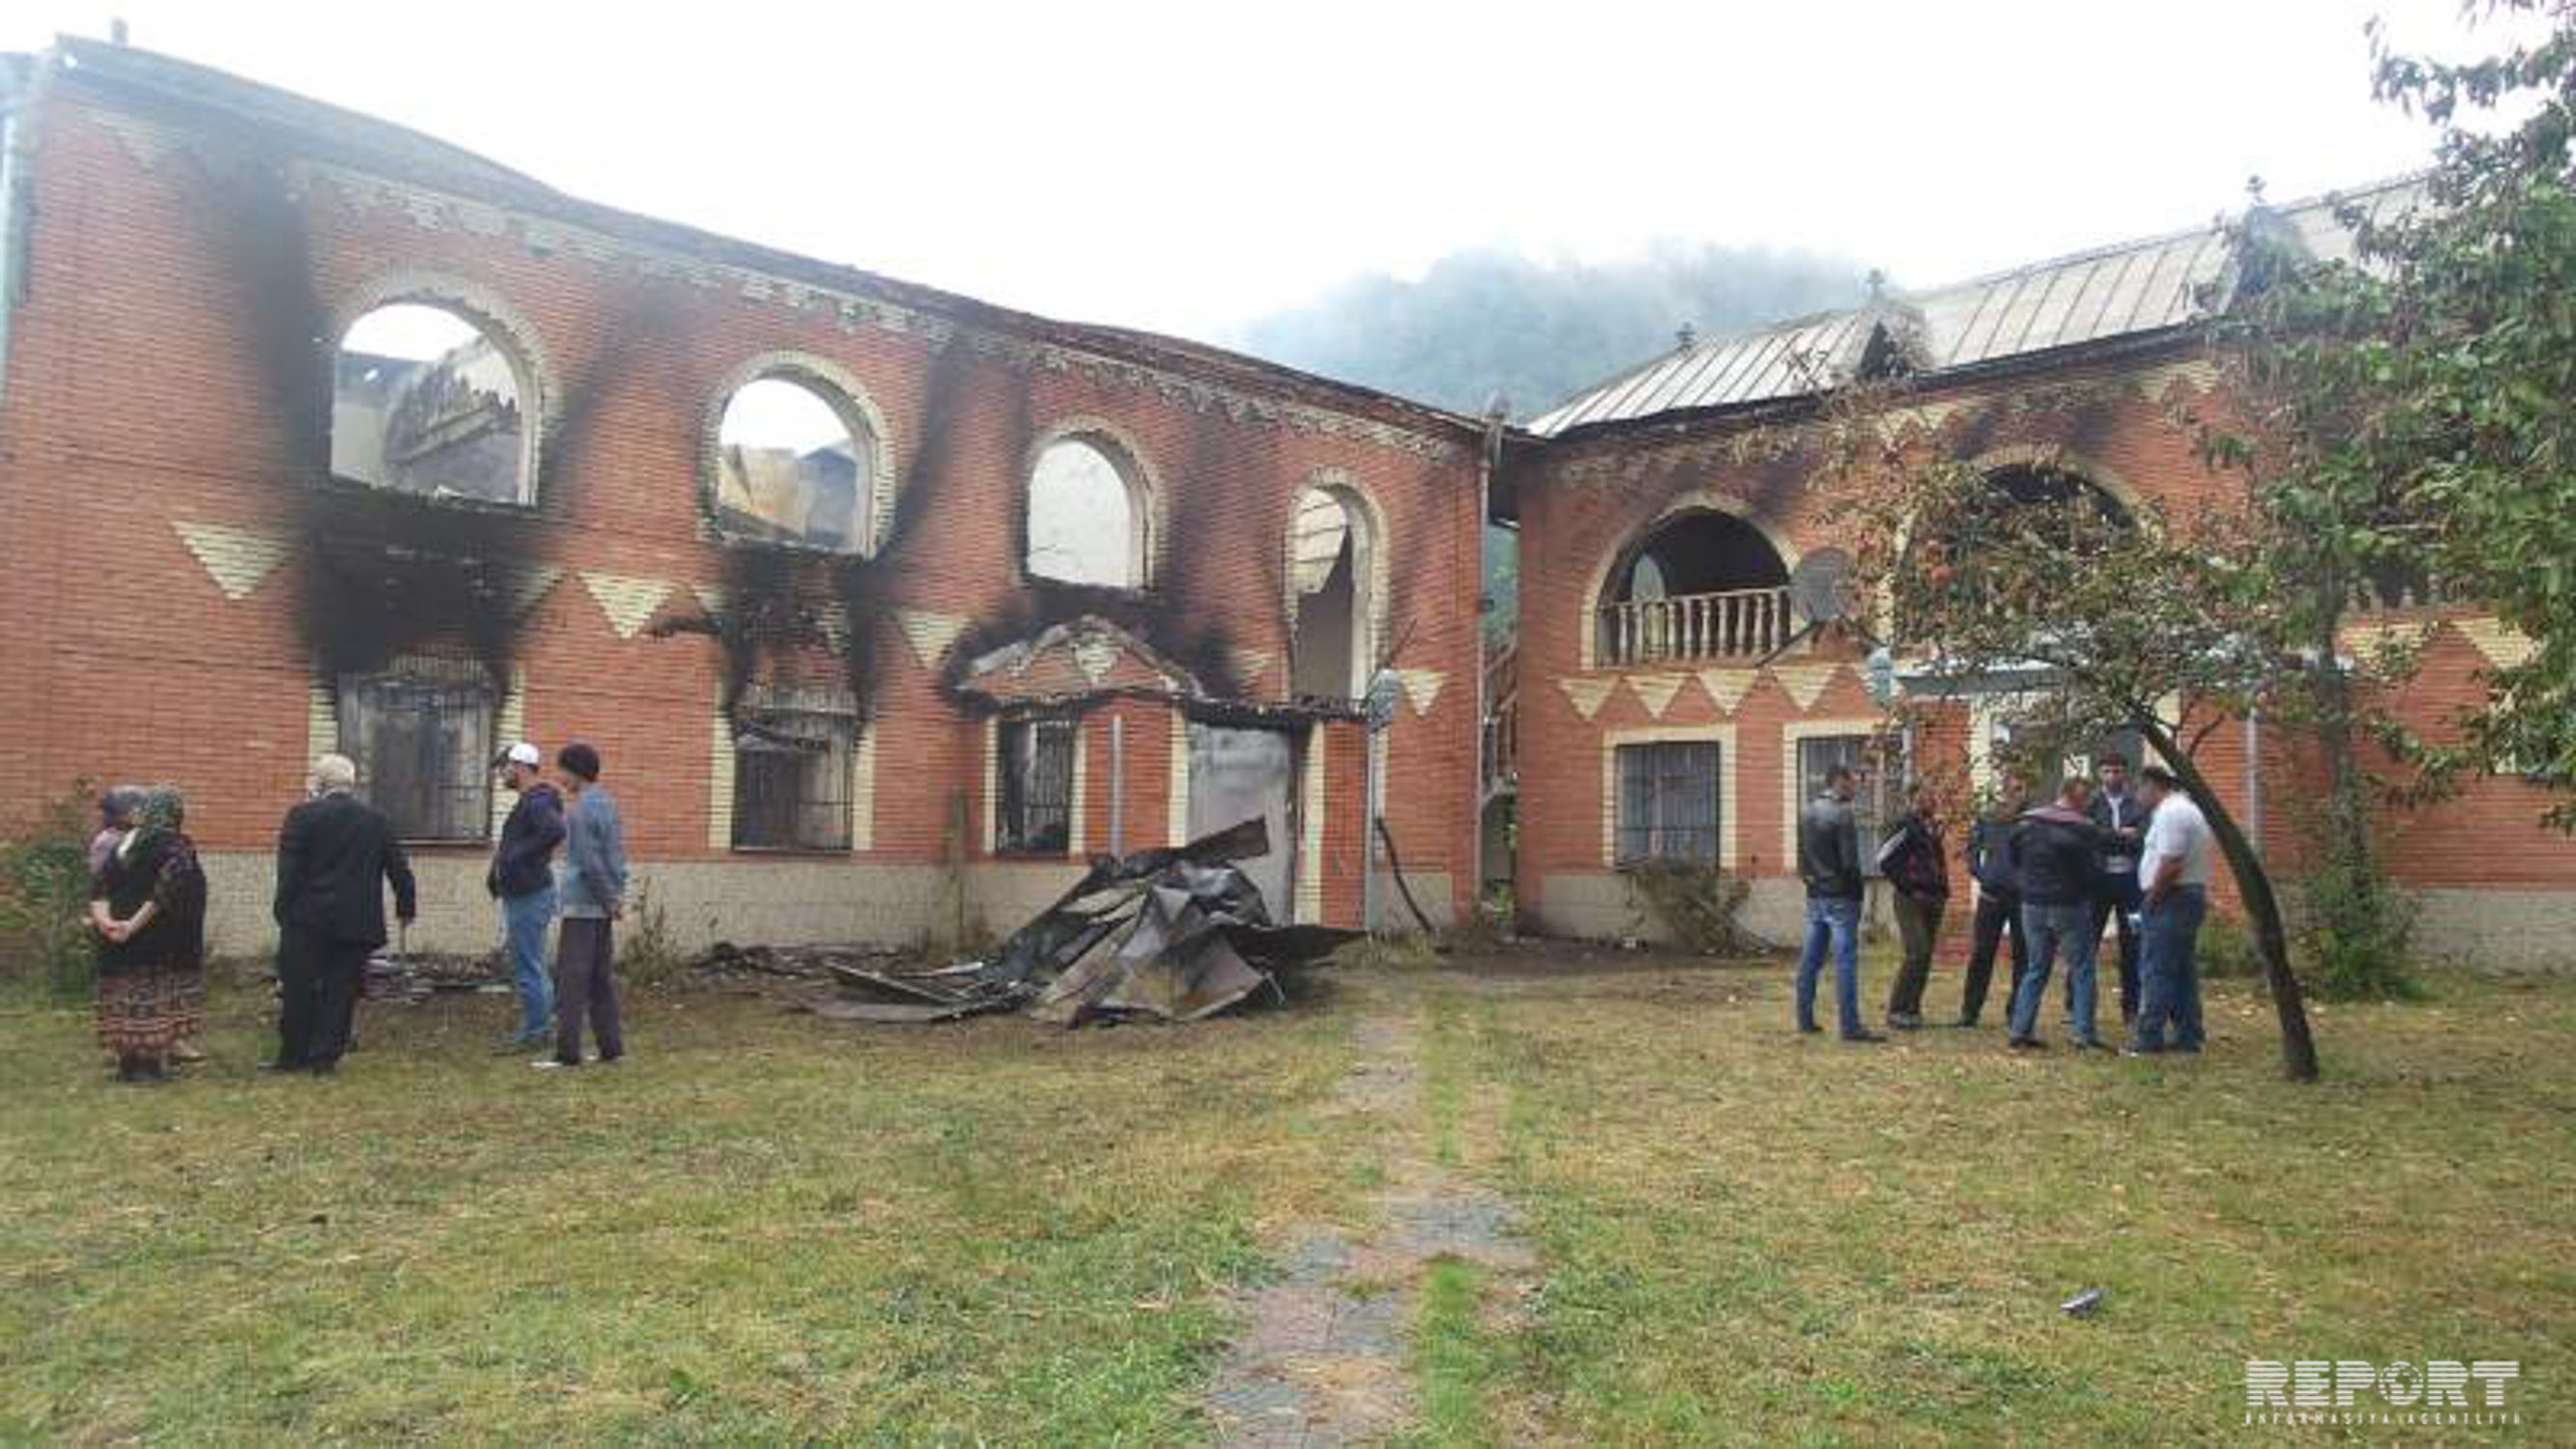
x=1036 y=787
x=791 y=775
x=423 y=746
x=1668 y=805
x=1880 y=778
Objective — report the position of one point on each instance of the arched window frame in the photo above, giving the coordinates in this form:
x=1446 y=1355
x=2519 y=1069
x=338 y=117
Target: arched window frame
x=1614 y=560
x=1145 y=506
x=1360 y=506
x=509 y=331
x=840 y=390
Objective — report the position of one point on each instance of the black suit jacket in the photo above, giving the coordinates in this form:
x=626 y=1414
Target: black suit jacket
x=334 y=857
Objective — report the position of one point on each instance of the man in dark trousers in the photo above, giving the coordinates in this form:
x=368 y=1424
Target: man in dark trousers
x=594 y=898
x=1829 y=859
x=335 y=856
x=1916 y=861
x=2056 y=854
x=2122 y=817
x=1998 y=908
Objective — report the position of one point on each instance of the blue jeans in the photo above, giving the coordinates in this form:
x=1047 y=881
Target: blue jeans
x=1835 y=923
x=2171 y=970
x=2050 y=927
x=523 y=936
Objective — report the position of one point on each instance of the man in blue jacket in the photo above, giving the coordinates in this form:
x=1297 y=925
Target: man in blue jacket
x=594 y=897
x=1998 y=909
x=522 y=879
x=2056 y=854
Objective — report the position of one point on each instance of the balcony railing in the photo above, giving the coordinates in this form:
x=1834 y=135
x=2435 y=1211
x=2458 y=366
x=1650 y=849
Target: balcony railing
x=1738 y=624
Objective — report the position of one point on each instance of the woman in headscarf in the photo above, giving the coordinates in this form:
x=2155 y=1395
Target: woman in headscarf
x=115 y=817
x=149 y=906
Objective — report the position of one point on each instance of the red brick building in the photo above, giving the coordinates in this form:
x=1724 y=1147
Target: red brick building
x=1661 y=513
x=886 y=606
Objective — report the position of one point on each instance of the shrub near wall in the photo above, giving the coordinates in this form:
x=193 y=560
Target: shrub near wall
x=44 y=898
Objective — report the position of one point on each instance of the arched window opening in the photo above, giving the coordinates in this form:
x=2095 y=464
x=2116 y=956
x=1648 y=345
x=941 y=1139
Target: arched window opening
x=1084 y=516
x=425 y=401
x=2032 y=512
x=1329 y=575
x=1699 y=586
x=794 y=465
x=2062 y=508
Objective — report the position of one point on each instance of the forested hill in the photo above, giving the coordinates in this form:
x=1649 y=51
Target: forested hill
x=1483 y=322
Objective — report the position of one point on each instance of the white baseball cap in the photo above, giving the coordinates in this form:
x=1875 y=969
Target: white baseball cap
x=523 y=753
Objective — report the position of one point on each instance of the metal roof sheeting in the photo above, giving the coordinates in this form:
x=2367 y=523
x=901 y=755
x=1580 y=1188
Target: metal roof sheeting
x=2111 y=292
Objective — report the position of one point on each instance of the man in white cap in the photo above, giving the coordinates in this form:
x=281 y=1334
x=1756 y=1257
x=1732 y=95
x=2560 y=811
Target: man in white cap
x=522 y=879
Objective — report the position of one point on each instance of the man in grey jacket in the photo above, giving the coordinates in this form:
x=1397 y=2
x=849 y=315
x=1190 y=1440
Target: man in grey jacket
x=594 y=898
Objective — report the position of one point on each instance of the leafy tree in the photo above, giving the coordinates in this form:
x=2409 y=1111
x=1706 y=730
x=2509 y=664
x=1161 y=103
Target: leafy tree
x=2466 y=393
x=2167 y=626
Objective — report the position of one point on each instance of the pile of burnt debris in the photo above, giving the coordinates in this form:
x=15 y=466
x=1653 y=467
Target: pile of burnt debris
x=1163 y=935
x=404 y=977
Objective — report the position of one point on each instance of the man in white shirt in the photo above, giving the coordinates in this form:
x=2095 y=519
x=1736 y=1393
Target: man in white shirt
x=2173 y=880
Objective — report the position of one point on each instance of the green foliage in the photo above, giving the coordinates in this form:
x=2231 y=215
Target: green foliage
x=45 y=941
x=2355 y=932
x=2226 y=949
x=1392 y=952
x=2453 y=359
x=648 y=955
x=1699 y=905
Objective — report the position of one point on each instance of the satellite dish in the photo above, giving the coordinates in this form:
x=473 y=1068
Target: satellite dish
x=1820 y=587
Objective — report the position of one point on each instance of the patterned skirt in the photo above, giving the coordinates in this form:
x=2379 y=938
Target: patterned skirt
x=145 y=1010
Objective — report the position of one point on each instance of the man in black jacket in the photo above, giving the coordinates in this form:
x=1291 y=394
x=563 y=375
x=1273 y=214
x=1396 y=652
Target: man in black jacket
x=1829 y=859
x=2122 y=817
x=335 y=855
x=2056 y=855
x=1916 y=861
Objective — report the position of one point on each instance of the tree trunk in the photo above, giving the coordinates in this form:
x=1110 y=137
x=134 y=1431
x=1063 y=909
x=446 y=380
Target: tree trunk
x=2262 y=907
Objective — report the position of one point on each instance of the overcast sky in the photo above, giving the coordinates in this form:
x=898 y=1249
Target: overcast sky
x=1185 y=167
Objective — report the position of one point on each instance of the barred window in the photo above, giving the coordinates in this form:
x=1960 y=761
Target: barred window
x=1879 y=772
x=791 y=772
x=422 y=740
x=1036 y=787
x=1668 y=805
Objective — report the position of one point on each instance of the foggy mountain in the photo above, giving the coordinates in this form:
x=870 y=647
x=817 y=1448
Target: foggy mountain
x=1480 y=323
x=1483 y=322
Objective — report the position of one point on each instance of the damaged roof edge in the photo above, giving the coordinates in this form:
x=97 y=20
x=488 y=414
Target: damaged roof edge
x=330 y=132
x=1785 y=407
x=2049 y=309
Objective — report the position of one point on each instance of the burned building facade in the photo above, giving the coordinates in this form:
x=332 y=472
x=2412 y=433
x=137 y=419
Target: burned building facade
x=887 y=607
x=890 y=608
x=1666 y=706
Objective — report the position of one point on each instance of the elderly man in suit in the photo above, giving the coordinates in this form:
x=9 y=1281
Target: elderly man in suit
x=335 y=856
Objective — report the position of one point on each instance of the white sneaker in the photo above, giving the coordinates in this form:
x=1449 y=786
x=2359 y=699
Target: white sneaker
x=548 y=1064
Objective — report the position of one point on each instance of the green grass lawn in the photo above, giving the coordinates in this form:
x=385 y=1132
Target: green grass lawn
x=1755 y=1238
x=759 y=1228
x=768 y=1228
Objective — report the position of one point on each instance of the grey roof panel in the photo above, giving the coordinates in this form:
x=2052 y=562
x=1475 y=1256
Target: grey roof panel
x=2093 y=296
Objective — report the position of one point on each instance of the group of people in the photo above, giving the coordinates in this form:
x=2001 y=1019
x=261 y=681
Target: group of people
x=2050 y=878
x=336 y=858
